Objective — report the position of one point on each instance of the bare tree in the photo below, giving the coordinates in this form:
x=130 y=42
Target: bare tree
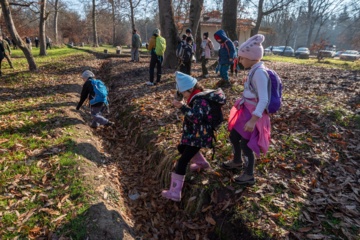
x=132 y=8
x=317 y=10
x=196 y=7
x=169 y=32
x=229 y=19
x=56 y=17
x=95 y=36
x=14 y=34
x=42 y=31
x=112 y=2
x=181 y=13
x=271 y=7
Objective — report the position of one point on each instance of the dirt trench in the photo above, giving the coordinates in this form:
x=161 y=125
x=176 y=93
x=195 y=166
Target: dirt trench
x=104 y=219
x=141 y=151
x=139 y=168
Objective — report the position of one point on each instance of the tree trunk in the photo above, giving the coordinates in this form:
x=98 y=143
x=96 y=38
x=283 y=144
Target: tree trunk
x=113 y=21
x=169 y=32
x=198 y=41
x=309 y=37
x=318 y=32
x=260 y=15
x=56 y=16
x=311 y=23
x=42 y=37
x=14 y=34
x=95 y=37
x=132 y=14
x=196 y=7
x=229 y=19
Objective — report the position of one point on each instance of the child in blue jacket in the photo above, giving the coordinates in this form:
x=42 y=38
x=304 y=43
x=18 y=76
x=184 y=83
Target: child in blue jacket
x=227 y=54
x=97 y=108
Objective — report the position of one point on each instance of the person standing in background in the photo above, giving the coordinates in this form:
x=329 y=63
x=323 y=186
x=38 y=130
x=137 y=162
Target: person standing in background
x=7 y=51
x=28 y=42
x=135 y=45
x=36 y=40
x=206 y=48
x=2 y=55
x=48 y=42
x=156 y=60
x=227 y=55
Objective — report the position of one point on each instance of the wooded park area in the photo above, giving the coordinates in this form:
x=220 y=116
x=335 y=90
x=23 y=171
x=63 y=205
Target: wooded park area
x=62 y=178
x=294 y=23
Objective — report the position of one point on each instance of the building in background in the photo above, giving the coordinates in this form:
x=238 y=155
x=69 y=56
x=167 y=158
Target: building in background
x=211 y=22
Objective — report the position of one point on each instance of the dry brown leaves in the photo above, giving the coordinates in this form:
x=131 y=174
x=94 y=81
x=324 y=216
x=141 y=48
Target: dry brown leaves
x=314 y=162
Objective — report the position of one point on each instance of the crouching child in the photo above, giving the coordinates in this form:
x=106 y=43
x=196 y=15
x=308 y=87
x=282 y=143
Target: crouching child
x=95 y=90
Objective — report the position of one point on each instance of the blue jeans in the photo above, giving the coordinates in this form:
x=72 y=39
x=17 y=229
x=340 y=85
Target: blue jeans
x=224 y=71
x=96 y=113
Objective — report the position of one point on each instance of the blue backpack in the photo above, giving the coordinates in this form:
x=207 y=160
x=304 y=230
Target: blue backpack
x=274 y=90
x=101 y=92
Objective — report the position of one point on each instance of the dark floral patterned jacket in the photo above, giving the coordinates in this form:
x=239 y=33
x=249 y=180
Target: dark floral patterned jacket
x=197 y=130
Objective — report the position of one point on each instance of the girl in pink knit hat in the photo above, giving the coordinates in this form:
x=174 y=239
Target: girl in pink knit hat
x=249 y=123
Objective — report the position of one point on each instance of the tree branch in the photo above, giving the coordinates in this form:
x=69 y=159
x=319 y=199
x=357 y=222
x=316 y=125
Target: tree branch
x=22 y=4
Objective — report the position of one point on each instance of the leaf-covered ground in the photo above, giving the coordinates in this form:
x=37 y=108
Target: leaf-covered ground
x=307 y=185
x=50 y=183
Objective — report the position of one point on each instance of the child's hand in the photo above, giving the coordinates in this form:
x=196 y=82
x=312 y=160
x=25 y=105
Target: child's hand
x=177 y=104
x=250 y=125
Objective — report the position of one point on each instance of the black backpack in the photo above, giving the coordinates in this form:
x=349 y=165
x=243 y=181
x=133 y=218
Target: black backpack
x=216 y=113
x=179 y=49
x=187 y=53
x=216 y=99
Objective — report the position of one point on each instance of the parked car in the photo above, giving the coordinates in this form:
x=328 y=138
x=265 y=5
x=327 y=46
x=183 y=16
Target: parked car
x=338 y=53
x=327 y=53
x=350 y=55
x=283 y=51
x=302 y=53
x=267 y=51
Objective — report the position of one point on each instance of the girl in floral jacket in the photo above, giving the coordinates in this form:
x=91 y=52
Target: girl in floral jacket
x=197 y=130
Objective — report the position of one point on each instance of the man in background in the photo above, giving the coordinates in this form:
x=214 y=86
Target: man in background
x=7 y=51
x=135 y=45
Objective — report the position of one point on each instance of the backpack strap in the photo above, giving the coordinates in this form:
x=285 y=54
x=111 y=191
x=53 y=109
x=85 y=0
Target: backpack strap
x=208 y=44
x=226 y=46
x=253 y=89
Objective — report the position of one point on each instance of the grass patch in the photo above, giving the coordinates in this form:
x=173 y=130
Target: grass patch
x=39 y=176
x=111 y=49
x=328 y=63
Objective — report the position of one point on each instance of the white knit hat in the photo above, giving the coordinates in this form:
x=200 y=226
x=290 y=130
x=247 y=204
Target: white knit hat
x=252 y=49
x=87 y=74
